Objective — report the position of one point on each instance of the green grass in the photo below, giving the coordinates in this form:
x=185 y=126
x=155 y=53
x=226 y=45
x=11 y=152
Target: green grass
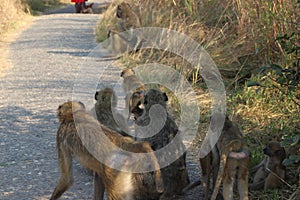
x=34 y=7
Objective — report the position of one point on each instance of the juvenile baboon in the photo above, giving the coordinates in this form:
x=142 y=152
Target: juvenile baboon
x=128 y=20
x=228 y=160
x=175 y=175
x=135 y=91
x=77 y=128
x=270 y=170
x=106 y=102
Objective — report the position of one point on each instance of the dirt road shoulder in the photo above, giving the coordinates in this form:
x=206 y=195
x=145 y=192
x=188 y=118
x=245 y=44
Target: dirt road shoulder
x=10 y=36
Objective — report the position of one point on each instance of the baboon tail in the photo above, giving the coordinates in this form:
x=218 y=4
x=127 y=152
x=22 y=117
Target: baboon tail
x=190 y=186
x=223 y=160
x=159 y=181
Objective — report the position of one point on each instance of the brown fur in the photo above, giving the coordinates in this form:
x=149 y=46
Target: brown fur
x=135 y=90
x=175 y=175
x=106 y=102
x=263 y=179
x=75 y=120
x=128 y=20
x=229 y=158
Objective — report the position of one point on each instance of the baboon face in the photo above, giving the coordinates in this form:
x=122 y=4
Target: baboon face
x=65 y=111
x=135 y=103
x=106 y=97
x=153 y=97
x=121 y=9
x=276 y=154
x=127 y=72
x=273 y=149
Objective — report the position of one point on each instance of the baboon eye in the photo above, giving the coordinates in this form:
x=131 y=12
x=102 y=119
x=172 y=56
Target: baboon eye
x=278 y=152
x=59 y=107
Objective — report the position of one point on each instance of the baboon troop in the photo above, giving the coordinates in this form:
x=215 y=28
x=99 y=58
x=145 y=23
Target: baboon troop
x=175 y=175
x=227 y=163
x=228 y=160
x=103 y=143
x=74 y=121
x=270 y=170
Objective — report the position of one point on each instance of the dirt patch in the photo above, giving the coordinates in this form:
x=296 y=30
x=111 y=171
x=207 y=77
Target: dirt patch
x=9 y=37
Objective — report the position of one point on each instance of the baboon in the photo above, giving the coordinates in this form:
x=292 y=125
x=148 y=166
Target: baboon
x=128 y=20
x=135 y=91
x=270 y=170
x=229 y=159
x=106 y=102
x=175 y=175
x=78 y=129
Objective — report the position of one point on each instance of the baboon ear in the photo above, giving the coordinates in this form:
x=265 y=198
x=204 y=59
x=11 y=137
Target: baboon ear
x=266 y=151
x=119 y=12
x=279 y=152
x=96 y=96
x=81 y=104
x=165 y=96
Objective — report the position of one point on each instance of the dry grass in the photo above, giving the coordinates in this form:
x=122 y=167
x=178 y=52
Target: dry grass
x=14 y=17
x=11 y=18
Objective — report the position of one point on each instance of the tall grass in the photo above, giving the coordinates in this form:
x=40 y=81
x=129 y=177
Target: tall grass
x=9 y=10
x=239 y=35
x=12 y=11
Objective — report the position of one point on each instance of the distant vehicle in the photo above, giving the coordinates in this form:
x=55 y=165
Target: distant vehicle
x=82 y=7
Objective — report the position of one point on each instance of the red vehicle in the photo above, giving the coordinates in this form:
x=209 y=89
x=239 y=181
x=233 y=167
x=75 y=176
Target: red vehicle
x=82 y=7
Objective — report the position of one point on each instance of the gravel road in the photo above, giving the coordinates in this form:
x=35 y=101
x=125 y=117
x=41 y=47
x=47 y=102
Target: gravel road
x=51 y=59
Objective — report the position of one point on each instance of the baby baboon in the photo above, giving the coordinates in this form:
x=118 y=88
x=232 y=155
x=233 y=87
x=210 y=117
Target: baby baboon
x=175 y=175
x=74 y=121
x=228 y=160
x=106 y=102
x=270 y=170
x=135 y=91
